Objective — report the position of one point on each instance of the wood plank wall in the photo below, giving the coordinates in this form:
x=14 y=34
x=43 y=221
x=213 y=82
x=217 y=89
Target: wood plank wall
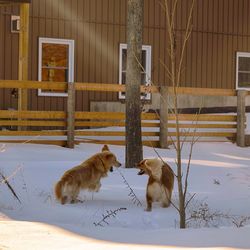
x=8 y=54
x=220 y=28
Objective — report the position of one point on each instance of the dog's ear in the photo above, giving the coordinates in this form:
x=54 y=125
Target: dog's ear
x=105 y=148
x=141 y=163
x=148 y=165
x=143 y=166
x=109 y=155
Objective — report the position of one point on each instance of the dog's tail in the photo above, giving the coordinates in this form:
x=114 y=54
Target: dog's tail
x=58 y=189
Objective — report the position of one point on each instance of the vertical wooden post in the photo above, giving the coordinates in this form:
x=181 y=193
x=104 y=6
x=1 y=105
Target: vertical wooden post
x=241 y=117
x=163 y=117
x=71 y=116
x=23 y=55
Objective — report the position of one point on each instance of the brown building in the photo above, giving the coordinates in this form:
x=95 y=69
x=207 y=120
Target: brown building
x=85 y=41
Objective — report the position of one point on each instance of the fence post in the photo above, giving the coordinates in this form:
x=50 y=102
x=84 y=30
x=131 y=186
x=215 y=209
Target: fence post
x=71 y=115
x=23 y=58
x=164 y=117
x=241 y=117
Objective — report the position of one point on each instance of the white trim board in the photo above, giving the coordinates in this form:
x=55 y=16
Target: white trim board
x=146 y=48
x=240 y=54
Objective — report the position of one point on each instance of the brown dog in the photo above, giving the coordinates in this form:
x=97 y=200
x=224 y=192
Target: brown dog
x=87 y=176
x=160 y=183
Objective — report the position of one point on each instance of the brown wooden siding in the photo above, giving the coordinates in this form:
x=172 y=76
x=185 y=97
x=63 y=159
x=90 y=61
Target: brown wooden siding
x=8 y=54
x=220 y=28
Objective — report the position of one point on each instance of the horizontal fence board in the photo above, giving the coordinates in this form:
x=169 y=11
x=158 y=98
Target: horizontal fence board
x=33 y=85
x=110 y=133
x=202 y=117
x=111 y=116
x=111 y=124
x=211 y=126
x=173 y=134
x=61 y=143
x=118 y=142
x=33 y=123
x=203 y=91
x=204 y=134
x=100 y=115
x=113 y=87
x=32 y=114
x=44 y=123
x=33 y=133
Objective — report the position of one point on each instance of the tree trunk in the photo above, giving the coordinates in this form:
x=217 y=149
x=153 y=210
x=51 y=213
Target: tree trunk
x=133 y=83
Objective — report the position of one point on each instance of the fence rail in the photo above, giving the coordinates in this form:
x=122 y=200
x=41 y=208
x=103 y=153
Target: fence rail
x=112 y=87
x=50 y=127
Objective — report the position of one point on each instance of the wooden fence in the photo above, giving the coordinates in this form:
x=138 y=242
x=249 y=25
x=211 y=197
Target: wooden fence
x=107 y=127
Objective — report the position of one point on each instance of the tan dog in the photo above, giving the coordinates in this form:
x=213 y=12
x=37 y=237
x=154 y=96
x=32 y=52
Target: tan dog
x=160 y=182
x=87 y=176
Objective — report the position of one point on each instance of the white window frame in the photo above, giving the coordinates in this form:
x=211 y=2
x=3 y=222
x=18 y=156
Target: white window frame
x=71 y=44
x=240 y=54
x=147 y=69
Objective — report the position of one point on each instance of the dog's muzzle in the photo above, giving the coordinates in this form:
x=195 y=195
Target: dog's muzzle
x=141 y=172
x=118 y=164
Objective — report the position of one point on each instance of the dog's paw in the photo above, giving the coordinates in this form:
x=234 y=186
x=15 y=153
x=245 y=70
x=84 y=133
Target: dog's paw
x=148 y=209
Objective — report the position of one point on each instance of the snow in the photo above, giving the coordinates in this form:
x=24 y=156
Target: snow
x=220 y=178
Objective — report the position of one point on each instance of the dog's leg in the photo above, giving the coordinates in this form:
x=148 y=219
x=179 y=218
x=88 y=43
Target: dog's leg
x=167 y=198
x=75 y=192
x=97 y=187
x=165 y=204
x=149 y=203
x=64 y=199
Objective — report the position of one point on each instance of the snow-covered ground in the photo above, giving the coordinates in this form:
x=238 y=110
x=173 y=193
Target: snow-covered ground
x=220 y=178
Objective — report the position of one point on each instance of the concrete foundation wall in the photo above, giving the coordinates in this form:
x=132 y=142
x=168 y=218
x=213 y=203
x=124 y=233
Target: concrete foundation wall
x=185 y=101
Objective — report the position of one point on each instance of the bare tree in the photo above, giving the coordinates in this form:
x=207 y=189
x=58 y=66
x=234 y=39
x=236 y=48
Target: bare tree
x=174 y=73
x=133 y=82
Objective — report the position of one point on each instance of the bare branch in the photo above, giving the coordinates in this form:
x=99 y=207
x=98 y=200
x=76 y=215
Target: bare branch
x=10 y=187
x=131 y=194
x=186 y=37
x=109 y=214
x=190 y=154
x=173 y=12
x=189 y=200
x=169 y=74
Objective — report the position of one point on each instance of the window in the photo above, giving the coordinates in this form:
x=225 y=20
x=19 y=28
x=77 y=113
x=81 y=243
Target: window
x=243 y=70
x=145 y=74
x=56 y=63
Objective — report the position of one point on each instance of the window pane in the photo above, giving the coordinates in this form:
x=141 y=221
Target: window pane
x=55 y=55
x=143 y=78
x=244 y=80
x=123 y=77
x=124 y=59
x=54 y=75
x=244 y=64
x=143 y=60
